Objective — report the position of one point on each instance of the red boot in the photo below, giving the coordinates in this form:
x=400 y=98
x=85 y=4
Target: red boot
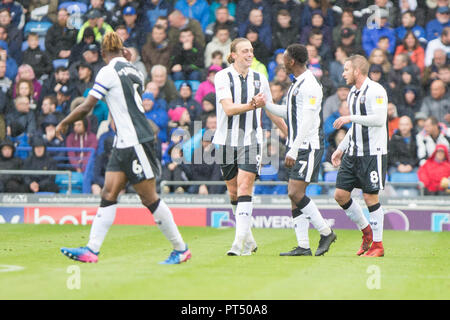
x=376 y=250
x=367 y=240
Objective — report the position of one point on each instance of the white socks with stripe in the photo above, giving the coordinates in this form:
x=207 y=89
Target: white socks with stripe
x=377 y=221
x=310 y=210
x=250 y=237
x=301 y=228
x=164 y=220
x=103 y=220
x=354 y=211
x=243 y=216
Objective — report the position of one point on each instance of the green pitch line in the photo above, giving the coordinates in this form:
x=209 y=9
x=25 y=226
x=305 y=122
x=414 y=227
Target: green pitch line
x=416 y=266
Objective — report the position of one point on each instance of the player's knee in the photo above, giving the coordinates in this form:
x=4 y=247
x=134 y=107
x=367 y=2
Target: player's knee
x=107 y=194
x=341 y=197
x=295 y=195
x=149 y=199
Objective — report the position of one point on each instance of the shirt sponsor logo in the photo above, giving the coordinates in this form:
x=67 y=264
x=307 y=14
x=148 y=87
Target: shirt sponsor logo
x=379 y=100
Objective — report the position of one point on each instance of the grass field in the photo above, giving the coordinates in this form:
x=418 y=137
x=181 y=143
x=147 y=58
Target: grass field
x=416 y=266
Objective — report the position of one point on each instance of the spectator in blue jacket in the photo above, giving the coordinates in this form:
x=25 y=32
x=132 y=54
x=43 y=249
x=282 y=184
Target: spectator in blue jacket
x=137 y=31
x=244 y=7
x=434 y=27
x=16 y=11
x=307 y=10
x=156 y=8
x=409 y=23
x=229 y=4
x=328 y=124
x=255 y=20
x=195 y=9
x=156 y=114
x=372 y=33
x=11 y=65
x=317 y=22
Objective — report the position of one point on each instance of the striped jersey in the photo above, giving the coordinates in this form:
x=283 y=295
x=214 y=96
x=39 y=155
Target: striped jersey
x=121 y=84
x=305 y=93
x=371 y=99
x=243 y=129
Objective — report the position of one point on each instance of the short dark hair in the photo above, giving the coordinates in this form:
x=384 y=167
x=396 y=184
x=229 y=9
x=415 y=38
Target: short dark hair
x=61 y=68
x=32 y=34
x=217 y=53
x=434 y=120
x=298 y=52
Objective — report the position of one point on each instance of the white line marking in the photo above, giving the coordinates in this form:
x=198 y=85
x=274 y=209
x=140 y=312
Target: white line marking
x=10 y=268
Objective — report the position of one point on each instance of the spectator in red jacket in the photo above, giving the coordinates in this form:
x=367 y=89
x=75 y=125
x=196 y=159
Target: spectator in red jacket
x=436 y=168
x=412 y=47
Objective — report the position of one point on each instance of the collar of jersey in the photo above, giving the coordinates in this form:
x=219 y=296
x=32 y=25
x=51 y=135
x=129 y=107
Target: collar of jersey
x=364 y=85
x=116 y=59
x=236 y=73
x=302 y=76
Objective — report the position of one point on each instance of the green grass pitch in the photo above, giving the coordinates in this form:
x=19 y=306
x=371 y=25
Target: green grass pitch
x=416 y=266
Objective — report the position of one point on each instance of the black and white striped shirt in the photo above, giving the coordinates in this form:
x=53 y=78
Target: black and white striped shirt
x=370 y=100
x=121 y=84
x=243 y=129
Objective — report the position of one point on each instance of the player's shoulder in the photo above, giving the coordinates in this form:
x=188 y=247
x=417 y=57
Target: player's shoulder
x=223 y=72
x=376 y=88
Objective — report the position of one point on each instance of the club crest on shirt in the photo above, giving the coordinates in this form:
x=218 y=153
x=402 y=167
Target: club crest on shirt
x=295 y=91
x=379 y=100
x=257 y=84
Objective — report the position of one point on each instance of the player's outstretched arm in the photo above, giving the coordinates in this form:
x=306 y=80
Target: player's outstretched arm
x=231 y=109
x=277 y=109
x=77 y=114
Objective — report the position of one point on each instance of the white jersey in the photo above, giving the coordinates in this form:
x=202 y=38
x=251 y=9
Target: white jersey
x=305 y=93
x=121 y=84
x=371 y=99
x=243 y=129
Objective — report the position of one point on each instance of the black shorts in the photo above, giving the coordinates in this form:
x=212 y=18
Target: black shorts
x=307 y=165
x=139 y=163
x=367 y=173
x=247 y=158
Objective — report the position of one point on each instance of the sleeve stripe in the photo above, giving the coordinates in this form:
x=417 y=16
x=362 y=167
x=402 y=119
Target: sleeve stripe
x=99 y=92
x=102 y=86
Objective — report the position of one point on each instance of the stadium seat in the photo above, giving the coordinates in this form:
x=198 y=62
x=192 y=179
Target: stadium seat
x=313 y=190
x=60 y=63
x=39 y=27
x=410 y=177
x=74 y=7
x=193 y=83
x=330 y=176
x=62 y=180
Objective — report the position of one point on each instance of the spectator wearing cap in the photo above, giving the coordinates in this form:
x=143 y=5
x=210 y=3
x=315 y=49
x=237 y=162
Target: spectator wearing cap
x=373 y=32
x=434 y=170
x=255 y=20
x=347 y=22
x=244 y=8
x=95 y=20
x=410 y=102
x=85 y=79
x=437 y=104
x=77 y=50
x=179 y=22
x=435 y=27
x=207 y=86
x=337 y=65
x=434 y=133
x=333 y=102
x=412 y=47
x=285 y=31
x=81 y=137
x=63 y=99
x=157 y=49
x=317 y=23
x=137 y=30
x=36 y=58
x=153 y=88
x=348 y=42
x=187 y=58
x=443 y=43
x=11 y=65
x=156 y=114
x=39 y=159
x=186 y=100
x=100 y=6
x=91 y=55
x=9 y=182
x=222 y=19
x=220 y=42
x=195 y=9
x=156 y=8
x=309 y=6
x=408 y=24
x=260 y=51
x=59 y=38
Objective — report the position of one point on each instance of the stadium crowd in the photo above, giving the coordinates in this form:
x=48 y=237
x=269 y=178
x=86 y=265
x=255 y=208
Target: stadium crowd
x=50 y=55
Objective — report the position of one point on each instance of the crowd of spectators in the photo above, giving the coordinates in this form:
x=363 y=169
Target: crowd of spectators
x=179 y=46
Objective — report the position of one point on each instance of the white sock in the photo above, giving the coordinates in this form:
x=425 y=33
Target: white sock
x=377 y=221
x=354 y=212
x=243 y=221
x=164 y=220
x=301 y=227
x=250 y=237
x=311 y=212
x=102 y=222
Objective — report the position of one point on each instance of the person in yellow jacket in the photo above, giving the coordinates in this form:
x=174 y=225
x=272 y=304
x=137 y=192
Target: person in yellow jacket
x=96 y=21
